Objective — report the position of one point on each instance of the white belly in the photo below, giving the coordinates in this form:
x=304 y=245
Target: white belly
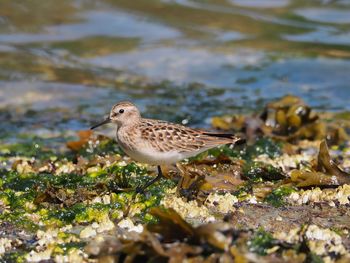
x=145 y=153
x=150 y=156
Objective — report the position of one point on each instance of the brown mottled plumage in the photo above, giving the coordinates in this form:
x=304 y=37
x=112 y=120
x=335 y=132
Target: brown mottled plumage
x=165 y=136
x=160 y=142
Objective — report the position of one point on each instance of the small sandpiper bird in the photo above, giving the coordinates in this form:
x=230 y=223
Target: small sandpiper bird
x=159 y=142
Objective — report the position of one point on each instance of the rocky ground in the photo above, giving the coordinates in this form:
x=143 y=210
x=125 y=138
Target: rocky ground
x=282 y=197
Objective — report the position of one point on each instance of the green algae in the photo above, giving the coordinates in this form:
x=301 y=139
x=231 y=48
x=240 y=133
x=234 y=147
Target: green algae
x=313 y=258
x=78 y=214
x=66 y=247
x=28 y=182
x=16 y=218
x=153 y=199
x=25 y=182
x=262 y=146
x=122 y=176
x=255 y=170
x=261 y=242
x=43 y=194
x=242 y=191
x=276 y=197
x=344 y=115
x=14 y=257
x=32 y=147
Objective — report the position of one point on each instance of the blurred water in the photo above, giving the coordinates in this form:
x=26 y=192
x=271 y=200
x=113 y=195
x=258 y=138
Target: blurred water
x=64 y=63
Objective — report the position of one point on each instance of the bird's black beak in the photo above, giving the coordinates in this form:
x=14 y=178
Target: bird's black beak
x=108 y=120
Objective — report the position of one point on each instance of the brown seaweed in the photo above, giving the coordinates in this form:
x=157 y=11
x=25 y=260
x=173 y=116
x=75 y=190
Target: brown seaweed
x=325 y=173
x=171 y=237
x=84 y=137
x=171 y=226
x=217 y=242
x=288 y=119
x=209 y=176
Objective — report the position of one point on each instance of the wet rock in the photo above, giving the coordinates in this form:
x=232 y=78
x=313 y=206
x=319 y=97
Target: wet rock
x=253 y=216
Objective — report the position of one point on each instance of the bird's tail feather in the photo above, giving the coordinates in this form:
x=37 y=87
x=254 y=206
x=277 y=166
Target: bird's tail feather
x=234 y=139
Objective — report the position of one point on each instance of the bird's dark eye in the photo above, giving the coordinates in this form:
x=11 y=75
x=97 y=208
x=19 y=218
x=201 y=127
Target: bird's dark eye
x=121 y=111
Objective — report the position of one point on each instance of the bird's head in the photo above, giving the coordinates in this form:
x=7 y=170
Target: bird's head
x=122 y=113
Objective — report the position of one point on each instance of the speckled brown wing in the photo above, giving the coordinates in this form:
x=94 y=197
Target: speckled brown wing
x=166 y=136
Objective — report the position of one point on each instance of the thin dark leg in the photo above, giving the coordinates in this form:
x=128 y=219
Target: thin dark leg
x=142 y=188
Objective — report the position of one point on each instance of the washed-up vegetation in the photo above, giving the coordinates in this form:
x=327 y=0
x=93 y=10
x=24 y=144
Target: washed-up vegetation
x=283 y=197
